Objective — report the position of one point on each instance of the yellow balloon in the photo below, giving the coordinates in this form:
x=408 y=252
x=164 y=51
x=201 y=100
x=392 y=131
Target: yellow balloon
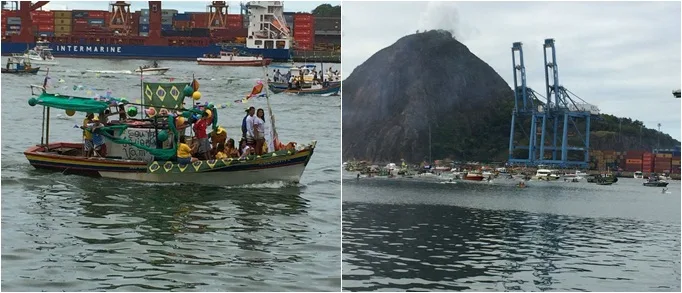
x=196 y=95
x=179 y=121
x=70 y=112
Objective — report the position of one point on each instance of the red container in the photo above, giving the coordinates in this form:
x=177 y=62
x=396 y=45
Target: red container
x=234 y=18
x=97 y=13
x=42 y=14
x=180 y=24
x=303 y=17
x=80 y=21
x=633 y=168
x=43 y=21
x=46 y=27
x=308 y=39
x=303 y=26
x=234 y=25
x=302 y=33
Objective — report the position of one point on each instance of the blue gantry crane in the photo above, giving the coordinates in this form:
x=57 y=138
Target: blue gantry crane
x=558 y=118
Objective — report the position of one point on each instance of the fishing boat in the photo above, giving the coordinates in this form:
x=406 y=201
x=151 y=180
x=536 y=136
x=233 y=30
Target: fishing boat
x=145 y=149
x=653 y=181
x=19 y=66
x=324 y=89
x=41 y=54
x=232 y=59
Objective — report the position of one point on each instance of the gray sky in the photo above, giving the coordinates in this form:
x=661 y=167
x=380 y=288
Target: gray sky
x=623 y=57
x=189 y=6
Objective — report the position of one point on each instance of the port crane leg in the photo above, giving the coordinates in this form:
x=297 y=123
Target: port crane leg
x=564 y=139
x=542 y=138
x=511 y=137
x=555 y=131
x=533 y=139
x=587 y=140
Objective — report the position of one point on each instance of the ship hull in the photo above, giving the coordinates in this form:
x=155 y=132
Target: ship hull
x=139 y=51
x=219 y=62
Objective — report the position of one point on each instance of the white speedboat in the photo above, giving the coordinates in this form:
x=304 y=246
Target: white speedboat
x=232 y=59
x=152 y=70
x=546 y=174
x=639 y=175
x=41 y=54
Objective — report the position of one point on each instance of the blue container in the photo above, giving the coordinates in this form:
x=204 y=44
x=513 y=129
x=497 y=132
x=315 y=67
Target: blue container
x=166 y=27
x=80 y=14
x=13 y=27
x=96 y=21
x=144 y=20
x=183 y=17
x=144 y=28
x=144 y=12
x=46 y=34
x=14 y=20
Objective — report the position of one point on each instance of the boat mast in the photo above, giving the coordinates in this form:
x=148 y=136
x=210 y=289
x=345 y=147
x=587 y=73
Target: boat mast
x=142 y=92
x=266 y=87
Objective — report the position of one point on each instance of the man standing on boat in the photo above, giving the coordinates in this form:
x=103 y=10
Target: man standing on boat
x=204 y=149
x=87 y=135
x=244 y=128
x=250 y=136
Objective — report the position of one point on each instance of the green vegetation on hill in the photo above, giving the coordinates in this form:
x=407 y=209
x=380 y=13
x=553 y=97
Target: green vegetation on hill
x=327 y=10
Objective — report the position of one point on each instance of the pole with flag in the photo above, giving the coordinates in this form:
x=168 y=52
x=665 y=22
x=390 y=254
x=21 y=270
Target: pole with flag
x=275 y=140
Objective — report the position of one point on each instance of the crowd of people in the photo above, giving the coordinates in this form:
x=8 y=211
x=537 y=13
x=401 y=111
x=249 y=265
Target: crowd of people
x=213 y=144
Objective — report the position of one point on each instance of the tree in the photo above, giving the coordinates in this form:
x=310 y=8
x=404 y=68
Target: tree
x=327 y=10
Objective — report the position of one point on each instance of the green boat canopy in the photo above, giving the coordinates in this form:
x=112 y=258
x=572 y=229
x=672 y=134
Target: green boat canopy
x=69 y=103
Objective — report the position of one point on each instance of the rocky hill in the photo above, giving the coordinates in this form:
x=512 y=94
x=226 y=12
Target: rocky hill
x=432 y=81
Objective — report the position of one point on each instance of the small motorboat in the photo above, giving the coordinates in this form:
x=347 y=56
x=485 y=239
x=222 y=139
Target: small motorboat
x=232 y=59
x=19 y=67
x=152 y=70
x=41 y=54
x=653 y=181
x=326 y=88
x=474 y=176
x=639 y=175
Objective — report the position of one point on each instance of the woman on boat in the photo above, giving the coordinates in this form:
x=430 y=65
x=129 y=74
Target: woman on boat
x=204 y=147
x=218 y=136
x=259 y=130
x=245 y=149
x=87 y=135
x=220 y=152
x=184 y=152
x=231 y=151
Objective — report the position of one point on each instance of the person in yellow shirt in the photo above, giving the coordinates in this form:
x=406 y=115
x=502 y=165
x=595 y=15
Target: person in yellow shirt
x=184 y=153
x=88 y=147
x=220 y=152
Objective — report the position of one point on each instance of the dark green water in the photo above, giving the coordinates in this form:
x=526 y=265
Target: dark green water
x=74 y=233
x=407 y=235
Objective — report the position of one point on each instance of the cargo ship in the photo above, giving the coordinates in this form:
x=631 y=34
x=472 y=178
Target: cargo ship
x=261 y=29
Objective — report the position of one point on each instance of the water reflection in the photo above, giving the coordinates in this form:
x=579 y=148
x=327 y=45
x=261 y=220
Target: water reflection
x=429 y=247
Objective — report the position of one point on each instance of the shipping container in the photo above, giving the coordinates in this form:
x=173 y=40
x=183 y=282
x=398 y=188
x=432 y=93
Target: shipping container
x=144 y=12
x=80 y=14
x=181 y=24
x=62 y=28
x=634 y=161
x=633 y=168
x=302 y=33
x=144 y=28
x=14 y=20
x=98 y=21
x=144 y=34
x=201 y=32
x=234 y=25
x=183 y=17
x=60 y=34
x=42 y=14
x=40 y=21
x=45 y=33
x=78 y=22
x=234 y=17
x=165 y=12
x=62 y=21
x=97 y=13
x=303 y=17
x=144 y=20
x=46 y=28
x=303 y=26
x=13 y=27
x=63 y=14
x=165 y=27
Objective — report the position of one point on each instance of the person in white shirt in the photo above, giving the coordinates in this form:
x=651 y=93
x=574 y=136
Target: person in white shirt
x=259 y=130
x=250 y=137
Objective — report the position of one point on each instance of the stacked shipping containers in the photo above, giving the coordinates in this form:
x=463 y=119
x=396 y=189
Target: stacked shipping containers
x=43 y=22
x=234 y=21
x=182 y=21
x=647 y=162
x=85 y=20
x=11 y=23
x=199 y=20
x=675 y=165
x=633 y=161
x=143 y=22
x=62 y=23
x=304 y=33
x=662 y=163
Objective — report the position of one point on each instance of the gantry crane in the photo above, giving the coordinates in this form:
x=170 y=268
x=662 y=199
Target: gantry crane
x=217 y=14
x=559 y=114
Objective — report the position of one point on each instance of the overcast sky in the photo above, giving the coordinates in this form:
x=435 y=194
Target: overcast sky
x=623 y=57
x=189 y=6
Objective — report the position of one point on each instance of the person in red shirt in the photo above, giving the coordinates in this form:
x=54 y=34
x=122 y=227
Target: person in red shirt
x=204 y=149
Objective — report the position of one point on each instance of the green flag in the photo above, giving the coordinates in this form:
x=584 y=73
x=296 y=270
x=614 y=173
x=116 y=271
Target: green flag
x=167 y=95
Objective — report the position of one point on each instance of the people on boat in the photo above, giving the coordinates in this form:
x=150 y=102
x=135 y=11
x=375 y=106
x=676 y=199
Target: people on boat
x=184 y=152
x=230 y=150
x=245 y=149
x=244 y=128
x=99 y=148
x=155 y=65
x=218 y=136
x=204 y=147
x=87 y=135
x=220 y=151
x=250 y=135
x=122 y=115
x=259 y=130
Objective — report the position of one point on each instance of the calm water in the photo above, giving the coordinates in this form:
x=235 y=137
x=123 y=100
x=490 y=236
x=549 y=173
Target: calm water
x=80 y=234
x=406 y=235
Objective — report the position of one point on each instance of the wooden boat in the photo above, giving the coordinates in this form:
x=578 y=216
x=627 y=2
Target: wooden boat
x=136 y=151
x=19 y=66
x=331 y=88
x=230 y=59
x=474 y=176
x=30 y=70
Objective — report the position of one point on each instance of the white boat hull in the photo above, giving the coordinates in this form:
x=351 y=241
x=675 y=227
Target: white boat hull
x=153 y=71
x=291 y=173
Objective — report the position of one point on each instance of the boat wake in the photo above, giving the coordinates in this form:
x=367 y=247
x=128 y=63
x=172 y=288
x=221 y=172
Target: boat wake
x=108 y=71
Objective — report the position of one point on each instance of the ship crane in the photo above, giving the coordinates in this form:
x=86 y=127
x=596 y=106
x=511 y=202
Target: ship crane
x=120 y=17
x=25 y=9
x=553 y=121
x=217 y=14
